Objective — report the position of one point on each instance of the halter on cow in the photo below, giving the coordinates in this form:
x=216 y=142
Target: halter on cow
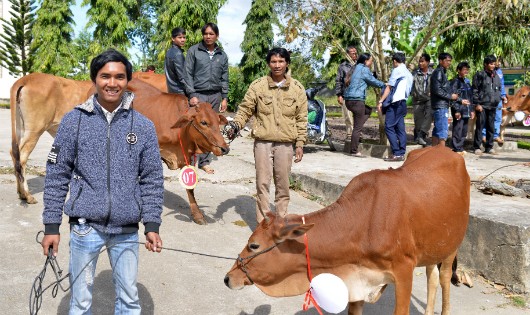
x=376 y=233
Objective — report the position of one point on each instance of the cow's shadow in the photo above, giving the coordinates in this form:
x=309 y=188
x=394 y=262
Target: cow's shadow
x=103 y=297
x=244 y=206
x=264 y=309
x=179 y=207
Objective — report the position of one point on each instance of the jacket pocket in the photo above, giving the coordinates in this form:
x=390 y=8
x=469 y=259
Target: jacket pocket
x=289 y=106
x=265 y=104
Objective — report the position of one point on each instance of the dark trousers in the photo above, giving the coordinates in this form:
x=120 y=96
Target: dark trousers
x=459 y=132
x=484 y=119
x=395 y=127
x=361 y=113
x=422 y=119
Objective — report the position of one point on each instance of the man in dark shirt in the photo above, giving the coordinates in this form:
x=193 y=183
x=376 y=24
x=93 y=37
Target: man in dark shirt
x=486 y=96
x=340 y=87
x=174 y=66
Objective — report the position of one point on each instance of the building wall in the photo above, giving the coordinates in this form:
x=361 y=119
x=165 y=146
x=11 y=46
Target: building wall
x=6 y=80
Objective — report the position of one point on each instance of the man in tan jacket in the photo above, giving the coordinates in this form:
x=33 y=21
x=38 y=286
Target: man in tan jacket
x=279 y=106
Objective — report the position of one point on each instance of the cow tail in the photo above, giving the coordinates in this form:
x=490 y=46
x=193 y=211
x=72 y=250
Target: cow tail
x=454 y=277
x=18 y=123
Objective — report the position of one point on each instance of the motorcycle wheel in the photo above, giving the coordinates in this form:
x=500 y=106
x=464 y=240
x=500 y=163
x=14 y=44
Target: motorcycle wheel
x=328 y=138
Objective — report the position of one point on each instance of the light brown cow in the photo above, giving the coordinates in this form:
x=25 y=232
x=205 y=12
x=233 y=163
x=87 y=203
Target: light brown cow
x=155 y=79
x=38 y=102
x=376 y=233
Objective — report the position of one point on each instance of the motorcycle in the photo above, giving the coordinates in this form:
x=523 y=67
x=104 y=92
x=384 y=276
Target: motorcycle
x=318 y=131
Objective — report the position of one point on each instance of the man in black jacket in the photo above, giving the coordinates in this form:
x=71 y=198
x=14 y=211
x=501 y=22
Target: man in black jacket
x=340 y=87
x=460 y=112
x=174 y=63
x=486 y=96
x=441 y=96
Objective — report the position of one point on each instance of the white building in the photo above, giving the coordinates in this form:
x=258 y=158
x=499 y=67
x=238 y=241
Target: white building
x=6 y=80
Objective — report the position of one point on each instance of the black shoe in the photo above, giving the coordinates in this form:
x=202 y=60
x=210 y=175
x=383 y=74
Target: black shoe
x=395 y=158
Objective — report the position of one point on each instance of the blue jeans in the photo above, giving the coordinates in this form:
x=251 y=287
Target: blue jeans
x=85 y=243
x=395 y=127
x=498 y=121
x=441 y=125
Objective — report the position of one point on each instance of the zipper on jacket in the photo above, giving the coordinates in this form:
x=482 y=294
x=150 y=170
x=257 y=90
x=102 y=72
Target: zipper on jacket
x=108 y=173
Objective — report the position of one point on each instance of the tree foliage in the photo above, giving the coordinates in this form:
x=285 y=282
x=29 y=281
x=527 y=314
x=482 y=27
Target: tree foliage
x=52 y=38
x=112 y=20
x=237 y=89
x=258 y=39
x=15 y=40
x=144 y=31
x=188 y=14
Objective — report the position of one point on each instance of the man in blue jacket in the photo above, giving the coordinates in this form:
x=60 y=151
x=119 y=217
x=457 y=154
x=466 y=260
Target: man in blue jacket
x=106 y=156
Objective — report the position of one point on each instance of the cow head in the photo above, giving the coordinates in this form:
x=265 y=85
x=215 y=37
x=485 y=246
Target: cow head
x=270 y=257
x=520 y=101
x=202 y=124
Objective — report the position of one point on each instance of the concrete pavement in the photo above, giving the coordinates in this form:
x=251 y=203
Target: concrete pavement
x=180 y=283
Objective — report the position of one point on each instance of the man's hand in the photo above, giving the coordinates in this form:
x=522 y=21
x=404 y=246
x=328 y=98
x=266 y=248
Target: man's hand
x=465 y=102
x=232 y=130
x=224 y=105
x=478 y=108
x=504 y=99
x=472 y=115
x=299 y=153
x=458 y=116
x=194 y=101
x=51 y=241
x=454 y=97
x=153 y=242
x=340 y=99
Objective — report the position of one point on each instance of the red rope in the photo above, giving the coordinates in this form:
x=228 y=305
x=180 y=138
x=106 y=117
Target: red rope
x=182 y=147
x=308 y=295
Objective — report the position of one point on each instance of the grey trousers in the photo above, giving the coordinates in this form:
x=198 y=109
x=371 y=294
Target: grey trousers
x=422 y=119
x=273 y=160
x=214 y=99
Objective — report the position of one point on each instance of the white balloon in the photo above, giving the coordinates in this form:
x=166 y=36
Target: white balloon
x=330 y=292
x=519 y=116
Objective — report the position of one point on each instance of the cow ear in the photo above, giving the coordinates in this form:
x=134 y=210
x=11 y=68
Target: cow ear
x=293 y=231
x=185 y=119
x=222 y=120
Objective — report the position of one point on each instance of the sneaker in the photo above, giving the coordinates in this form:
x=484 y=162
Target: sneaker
x=394 y=158
x=491 y=151
x=478 y=152
x=421 y=141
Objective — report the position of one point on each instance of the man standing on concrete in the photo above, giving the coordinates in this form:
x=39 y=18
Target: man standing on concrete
x=441 y=96
x=279 y=106
x=400 y=83
x=486 y=97
x=498 y=111
x=106 y=156
x=174 y=66
x=421 y=100
x=342 y=72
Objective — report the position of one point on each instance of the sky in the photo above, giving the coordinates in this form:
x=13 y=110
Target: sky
x=230 y=23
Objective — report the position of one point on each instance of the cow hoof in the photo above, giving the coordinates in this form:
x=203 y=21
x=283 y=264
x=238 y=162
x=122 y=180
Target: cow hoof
x=200 y=221
x=29 y=199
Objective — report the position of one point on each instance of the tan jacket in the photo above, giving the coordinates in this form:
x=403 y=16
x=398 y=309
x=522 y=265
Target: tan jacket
x=280 y=113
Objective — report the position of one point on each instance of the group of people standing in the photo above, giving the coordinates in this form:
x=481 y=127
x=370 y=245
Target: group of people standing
x=432 y=97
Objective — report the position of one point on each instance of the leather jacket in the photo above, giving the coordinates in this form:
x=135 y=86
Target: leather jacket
x=440 y=89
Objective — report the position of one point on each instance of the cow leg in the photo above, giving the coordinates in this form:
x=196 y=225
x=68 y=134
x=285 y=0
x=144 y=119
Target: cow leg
x=20 y=155
x=355 y=308
x=446 y=272
x=403 y=282
x=196 y=214
x=433 y=280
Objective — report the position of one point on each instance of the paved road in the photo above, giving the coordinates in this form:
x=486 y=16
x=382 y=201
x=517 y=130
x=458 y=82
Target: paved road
x=179 y=283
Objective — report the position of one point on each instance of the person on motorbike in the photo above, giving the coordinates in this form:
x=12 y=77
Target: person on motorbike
x=358 y=80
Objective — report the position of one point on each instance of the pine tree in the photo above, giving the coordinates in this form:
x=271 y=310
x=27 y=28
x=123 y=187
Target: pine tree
x=258 y=39
x=113 y=20
x=188 y=14
x=52 y=40
x=15 y=40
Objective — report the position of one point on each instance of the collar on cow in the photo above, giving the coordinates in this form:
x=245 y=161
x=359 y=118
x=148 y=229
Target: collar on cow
x=126 y=99
x=214 y=143
x=242 y=264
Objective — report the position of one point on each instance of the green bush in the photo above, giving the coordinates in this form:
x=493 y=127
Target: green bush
x=236 y=88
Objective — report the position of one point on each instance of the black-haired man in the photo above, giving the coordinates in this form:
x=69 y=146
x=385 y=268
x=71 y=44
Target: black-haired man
x=174 y=64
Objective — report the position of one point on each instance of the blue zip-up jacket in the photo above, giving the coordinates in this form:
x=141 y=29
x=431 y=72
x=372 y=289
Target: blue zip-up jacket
x=361 y=78
x=117 y=180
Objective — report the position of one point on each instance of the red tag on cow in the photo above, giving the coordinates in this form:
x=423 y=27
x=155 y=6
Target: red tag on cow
x=188 y=177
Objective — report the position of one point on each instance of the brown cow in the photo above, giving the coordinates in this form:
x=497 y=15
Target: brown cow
x=376 y=233
x=155 y=79
x=38 y=102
